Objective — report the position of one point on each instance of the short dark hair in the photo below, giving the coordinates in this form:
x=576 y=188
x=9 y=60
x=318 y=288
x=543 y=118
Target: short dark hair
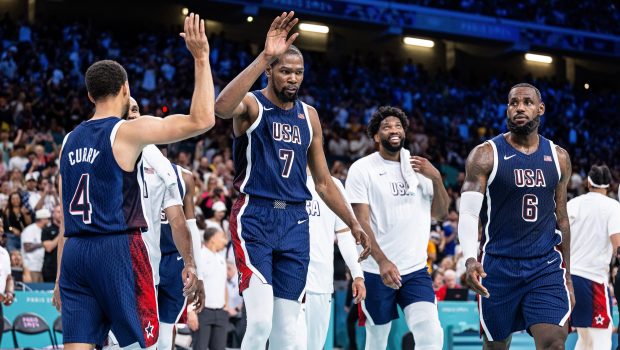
x=382 y=113
x=105 y=78
x=600 y=175
x=526 y=85
x=292 y=50
x=210 y=232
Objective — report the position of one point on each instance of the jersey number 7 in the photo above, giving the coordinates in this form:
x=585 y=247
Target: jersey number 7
x=80 y=204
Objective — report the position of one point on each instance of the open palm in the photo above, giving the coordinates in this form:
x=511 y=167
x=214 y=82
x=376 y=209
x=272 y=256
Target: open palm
x=277 y=43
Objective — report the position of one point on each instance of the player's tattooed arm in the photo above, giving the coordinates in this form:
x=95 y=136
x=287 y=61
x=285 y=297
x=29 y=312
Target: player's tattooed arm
x=478 y=167
x=561 y=214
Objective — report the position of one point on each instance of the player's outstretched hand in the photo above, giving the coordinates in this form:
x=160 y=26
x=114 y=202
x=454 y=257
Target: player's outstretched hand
x=56 y=297
x=424 y=167
x=361 y=238
x=195 y=36
x=199 y=297
x=190 y=281
x=277 y=42
x=359 y=290
x=390 y=274
x=474 y=272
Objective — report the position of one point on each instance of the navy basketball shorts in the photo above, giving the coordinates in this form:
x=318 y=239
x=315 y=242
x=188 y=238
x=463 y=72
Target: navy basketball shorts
x=271 y=240
x=380 y=306
x=524 y=292
x=106 y=283
x=170 y=299
x=592 y=304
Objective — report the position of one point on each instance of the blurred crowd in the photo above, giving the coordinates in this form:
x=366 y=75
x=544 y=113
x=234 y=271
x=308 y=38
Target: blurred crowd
x=42 y=97
x=599 y=16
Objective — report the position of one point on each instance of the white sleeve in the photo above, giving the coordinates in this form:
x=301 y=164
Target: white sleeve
x=471 y=203
x=357 y=184
x=161 y=165
x=172 y=197
x=346 y=244
x=27 y=235
x=339 y=224
x=196 y=248
x=613 y=225
x=571 y=209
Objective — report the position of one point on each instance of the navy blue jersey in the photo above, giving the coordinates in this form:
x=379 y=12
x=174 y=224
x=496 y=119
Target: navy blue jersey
x=166 y=242
x=98 y=196
x=271 y=157
x=521 y=201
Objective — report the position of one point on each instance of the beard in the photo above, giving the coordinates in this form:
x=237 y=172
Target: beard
x=392 y=149
x=125 y=113
x=282 y=96
x=524 y=129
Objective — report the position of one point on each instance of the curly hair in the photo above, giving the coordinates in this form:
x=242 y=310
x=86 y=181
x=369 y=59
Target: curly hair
x=382 y=113
x=105 y=78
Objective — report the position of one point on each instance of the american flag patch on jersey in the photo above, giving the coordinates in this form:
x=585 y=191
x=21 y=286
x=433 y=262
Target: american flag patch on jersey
x=149 y=170
x=301 y=116
x=548 y=159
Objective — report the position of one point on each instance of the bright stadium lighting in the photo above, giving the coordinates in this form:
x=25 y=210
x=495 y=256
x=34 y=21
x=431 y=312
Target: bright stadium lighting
x=418 y=42
x=315 y=28
x=250 y=19
x=586 y=86
x=184 y=11
x=538 y=58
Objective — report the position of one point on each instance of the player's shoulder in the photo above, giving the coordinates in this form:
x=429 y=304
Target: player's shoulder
x=482 y=156
x=365 y=161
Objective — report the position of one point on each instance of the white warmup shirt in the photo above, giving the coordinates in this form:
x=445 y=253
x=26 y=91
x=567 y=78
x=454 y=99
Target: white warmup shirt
x=401 y=222
x=593 y=218
x=5 y=269
x=156 y=196
x=214 y=278
x=323 y=226
x=33 y=260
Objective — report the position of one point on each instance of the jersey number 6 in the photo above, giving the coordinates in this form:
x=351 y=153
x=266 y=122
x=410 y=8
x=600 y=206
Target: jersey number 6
x=530 y=208
x=80 y=204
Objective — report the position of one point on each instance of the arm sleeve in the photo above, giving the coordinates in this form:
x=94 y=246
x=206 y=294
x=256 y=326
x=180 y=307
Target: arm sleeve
x=196 y=248
x=471 y=203
x=357 y=185
x=346 y=244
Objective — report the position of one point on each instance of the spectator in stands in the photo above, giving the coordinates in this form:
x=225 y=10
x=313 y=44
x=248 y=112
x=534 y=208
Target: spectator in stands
x=49 y=238
x=217 y=220
x=18 y=271
x=16 y=218
x=450 y=232
x=437 y=277
x=32 y=247
x=18 y=160
x=31 y=195
x=48 y=195
x=449 y=282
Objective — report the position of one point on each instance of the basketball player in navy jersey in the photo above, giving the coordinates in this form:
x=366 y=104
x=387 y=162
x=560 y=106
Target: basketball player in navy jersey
x=104 y=279
x=523 y=275
x=276 y=136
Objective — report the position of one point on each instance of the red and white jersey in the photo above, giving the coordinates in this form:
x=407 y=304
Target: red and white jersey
x=593 y=218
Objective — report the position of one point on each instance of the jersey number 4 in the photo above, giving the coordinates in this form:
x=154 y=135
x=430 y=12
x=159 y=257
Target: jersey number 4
x=80 y=204
x=530 y=208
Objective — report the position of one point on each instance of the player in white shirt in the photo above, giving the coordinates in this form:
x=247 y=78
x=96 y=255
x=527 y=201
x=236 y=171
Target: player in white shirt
x=595 y=234
x=162 y=199
x=325 y=227
x=394 y=196
x=6 y=280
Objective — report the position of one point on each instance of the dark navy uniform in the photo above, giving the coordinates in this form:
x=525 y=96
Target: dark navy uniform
x=106 y=280
x=525 y=271
x=269 y=222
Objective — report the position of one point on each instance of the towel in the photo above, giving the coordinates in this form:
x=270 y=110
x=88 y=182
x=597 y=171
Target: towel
x=410 y=176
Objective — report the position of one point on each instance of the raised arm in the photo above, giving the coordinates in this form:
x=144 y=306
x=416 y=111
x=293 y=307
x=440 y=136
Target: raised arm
x=131 y=136
x=561 y=215
x=327 y=189
x=477 y=170
x=233 y=101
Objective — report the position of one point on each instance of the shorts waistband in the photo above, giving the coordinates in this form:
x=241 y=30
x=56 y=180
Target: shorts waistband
x=276 y=203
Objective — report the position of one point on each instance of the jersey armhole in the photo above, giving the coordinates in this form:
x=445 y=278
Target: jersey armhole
x=258 y=119
x=305 y=107
x=64 y=140
x=495 y=163
x=114 y=131
x=556 y=161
